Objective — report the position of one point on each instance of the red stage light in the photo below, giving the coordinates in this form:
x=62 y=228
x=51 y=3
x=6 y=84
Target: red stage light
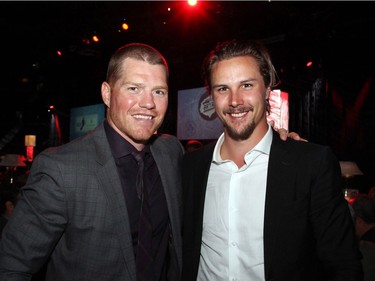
x=192 y=2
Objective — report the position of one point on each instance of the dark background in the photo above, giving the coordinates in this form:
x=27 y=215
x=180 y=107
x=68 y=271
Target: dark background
x=331 y=102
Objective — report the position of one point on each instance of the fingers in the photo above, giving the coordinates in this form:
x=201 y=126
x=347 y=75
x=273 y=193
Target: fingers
x=296 y=136
x=283 y=133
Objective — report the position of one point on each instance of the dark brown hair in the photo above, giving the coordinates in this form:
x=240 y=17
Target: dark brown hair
x=236 y=48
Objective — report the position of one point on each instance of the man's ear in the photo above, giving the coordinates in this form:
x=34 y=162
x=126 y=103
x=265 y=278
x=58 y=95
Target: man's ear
x=268 y=92
x=106 y=94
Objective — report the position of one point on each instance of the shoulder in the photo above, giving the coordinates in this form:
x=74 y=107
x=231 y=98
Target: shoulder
x=303 y=153
x=165 y=139
x=296 y=147
x=76 y=149
x=166 y=142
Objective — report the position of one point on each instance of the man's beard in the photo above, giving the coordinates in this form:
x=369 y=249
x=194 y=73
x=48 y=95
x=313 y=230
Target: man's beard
x=244 y=134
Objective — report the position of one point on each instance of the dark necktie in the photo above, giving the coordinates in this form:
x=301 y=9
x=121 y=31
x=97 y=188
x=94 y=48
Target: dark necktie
x=144 y=257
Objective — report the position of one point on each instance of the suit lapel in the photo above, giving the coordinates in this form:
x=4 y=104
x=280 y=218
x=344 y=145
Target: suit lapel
x=168 y=156
x=201 y=169
x=111 y=184
x=279 y=179
x=169 y=177
x=196 y=167
x=204 y=170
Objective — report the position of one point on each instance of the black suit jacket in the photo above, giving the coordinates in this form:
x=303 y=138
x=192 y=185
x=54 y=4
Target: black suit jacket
x=308 y=230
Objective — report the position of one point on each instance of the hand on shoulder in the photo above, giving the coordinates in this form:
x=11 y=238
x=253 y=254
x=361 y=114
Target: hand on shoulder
x=284 y=133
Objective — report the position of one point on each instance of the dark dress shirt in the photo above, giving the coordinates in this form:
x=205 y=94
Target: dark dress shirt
x=127 y=168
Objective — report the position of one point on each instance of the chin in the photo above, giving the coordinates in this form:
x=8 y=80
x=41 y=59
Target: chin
x=240 y=135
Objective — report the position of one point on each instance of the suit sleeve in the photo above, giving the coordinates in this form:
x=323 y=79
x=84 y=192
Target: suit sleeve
x=332 y=223
x=36 y=224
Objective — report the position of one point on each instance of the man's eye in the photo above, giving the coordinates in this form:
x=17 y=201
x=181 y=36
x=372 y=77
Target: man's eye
x=132 y=89
x=247 y=85
x=222 y=89
x=159 y=92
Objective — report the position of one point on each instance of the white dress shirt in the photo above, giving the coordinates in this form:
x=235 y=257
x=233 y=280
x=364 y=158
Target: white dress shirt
x=232 y=238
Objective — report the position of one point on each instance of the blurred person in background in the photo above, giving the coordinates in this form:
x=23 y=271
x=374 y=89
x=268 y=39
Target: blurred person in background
x=9 y=195
x=192 y=145
x=363 y=207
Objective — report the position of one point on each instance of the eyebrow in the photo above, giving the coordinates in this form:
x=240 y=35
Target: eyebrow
x=142 y=85
x=132 y=83
x=240 y=82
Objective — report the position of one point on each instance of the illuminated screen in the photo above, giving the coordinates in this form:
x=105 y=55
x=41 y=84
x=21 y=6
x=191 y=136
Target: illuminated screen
x=196 y=117
x=84 y=119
